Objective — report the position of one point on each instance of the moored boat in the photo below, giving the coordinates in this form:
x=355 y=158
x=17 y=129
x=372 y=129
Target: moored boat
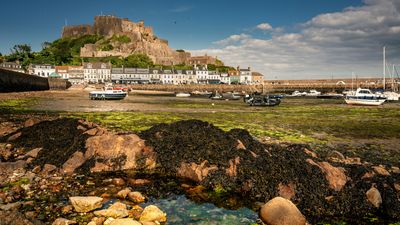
x=364 y=97
x=107 y=94
x=182 y=95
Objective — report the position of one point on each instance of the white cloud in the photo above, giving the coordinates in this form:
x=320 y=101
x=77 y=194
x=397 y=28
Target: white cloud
x=264 y=26
x=233 y=39
x=328 y=44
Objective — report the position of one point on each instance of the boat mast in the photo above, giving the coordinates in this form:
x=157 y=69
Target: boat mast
x=384 y=68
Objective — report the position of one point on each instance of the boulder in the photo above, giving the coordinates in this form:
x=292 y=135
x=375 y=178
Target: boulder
x=30 y=122
x=280 y=211
x=136 y=197
x=119 y=152
x=85 y=203
x=287 y=190
x=232 y=169
x=335 y=176
x=195 y=172
x=62 y=221
x=117 y=210
x=48 y=168
x=14 y=136
x=381 y=170
x=123 y=193
x=153 y=214
x=75 y=161
x=127 y=221
x=374 y=197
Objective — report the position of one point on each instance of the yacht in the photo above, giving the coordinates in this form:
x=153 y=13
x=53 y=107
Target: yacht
x=364 y=97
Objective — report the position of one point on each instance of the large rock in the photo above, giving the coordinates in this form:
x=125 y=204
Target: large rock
x=127 y=221
x=136 y=197
x=195 y=172
x=86 y=204
x=76 y=160
x=117 y=210
x=280 y=211
x=119 y=152
x=152 y=214
x=374 y=197
x=62 y=221
x=335 y=176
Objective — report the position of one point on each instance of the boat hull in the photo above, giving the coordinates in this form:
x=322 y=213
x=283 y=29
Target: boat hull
x=107 y=96
x=367 y=102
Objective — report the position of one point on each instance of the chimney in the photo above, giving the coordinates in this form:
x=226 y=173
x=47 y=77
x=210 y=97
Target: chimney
x=248 y=68
x=237 y=68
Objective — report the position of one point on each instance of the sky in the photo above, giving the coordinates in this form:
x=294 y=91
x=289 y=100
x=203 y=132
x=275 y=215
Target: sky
x=286 y=39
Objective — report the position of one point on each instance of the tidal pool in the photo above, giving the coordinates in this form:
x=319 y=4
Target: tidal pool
x=181 y=210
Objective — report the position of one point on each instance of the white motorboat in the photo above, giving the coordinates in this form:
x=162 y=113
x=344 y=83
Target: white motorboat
x=107 y=94
x=298 y=93
x=313 y=93
x=364 y=97
x=182 y=95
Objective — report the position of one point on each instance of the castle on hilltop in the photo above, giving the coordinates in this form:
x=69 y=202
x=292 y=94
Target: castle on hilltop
x=141 y=40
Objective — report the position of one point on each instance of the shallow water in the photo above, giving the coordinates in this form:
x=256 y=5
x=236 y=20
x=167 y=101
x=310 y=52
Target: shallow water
x=181 y=210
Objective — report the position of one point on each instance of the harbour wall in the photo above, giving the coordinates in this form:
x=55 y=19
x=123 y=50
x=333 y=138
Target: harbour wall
x=11 y=81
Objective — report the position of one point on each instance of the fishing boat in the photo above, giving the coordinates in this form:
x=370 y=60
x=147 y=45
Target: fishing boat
x=364 y=97
x=107 y=93
x=182 y=95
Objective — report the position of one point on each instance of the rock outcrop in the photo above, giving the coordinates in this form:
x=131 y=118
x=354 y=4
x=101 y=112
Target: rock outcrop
x=209 y=158
x=142 y=40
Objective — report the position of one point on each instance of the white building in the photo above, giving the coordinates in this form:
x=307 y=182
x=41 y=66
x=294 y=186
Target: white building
x=225 y=78
x=43 y=70
x=167 y=77
x=201 y=74
x=97 y=72
x=245 y=76
x=12 y=66
x=76 y=74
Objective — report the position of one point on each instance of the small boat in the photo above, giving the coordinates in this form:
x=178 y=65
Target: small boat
x=330 y=95
x=298 y=93
x=313 y=93
x=364 y=97
x=391 y=96
x=257 y=99
x=182 y=95
x=107 y=94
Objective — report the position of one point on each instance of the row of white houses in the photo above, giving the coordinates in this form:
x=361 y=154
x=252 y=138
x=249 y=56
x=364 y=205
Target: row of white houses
x=103 y=72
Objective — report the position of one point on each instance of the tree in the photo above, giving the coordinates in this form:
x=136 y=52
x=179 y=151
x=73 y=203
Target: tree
x=21 y=53
x=138 y=61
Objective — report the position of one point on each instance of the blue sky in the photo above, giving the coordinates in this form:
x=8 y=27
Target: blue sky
x=232 y=30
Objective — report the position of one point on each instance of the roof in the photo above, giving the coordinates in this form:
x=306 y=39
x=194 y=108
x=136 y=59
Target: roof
x=55 y=75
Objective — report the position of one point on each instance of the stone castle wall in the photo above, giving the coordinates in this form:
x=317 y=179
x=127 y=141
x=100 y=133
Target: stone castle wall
x=77 y=31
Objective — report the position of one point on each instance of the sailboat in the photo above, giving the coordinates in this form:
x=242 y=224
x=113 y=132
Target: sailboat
x=390 y=95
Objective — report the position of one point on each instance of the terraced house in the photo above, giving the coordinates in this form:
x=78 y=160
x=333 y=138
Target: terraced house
x=97 y=72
